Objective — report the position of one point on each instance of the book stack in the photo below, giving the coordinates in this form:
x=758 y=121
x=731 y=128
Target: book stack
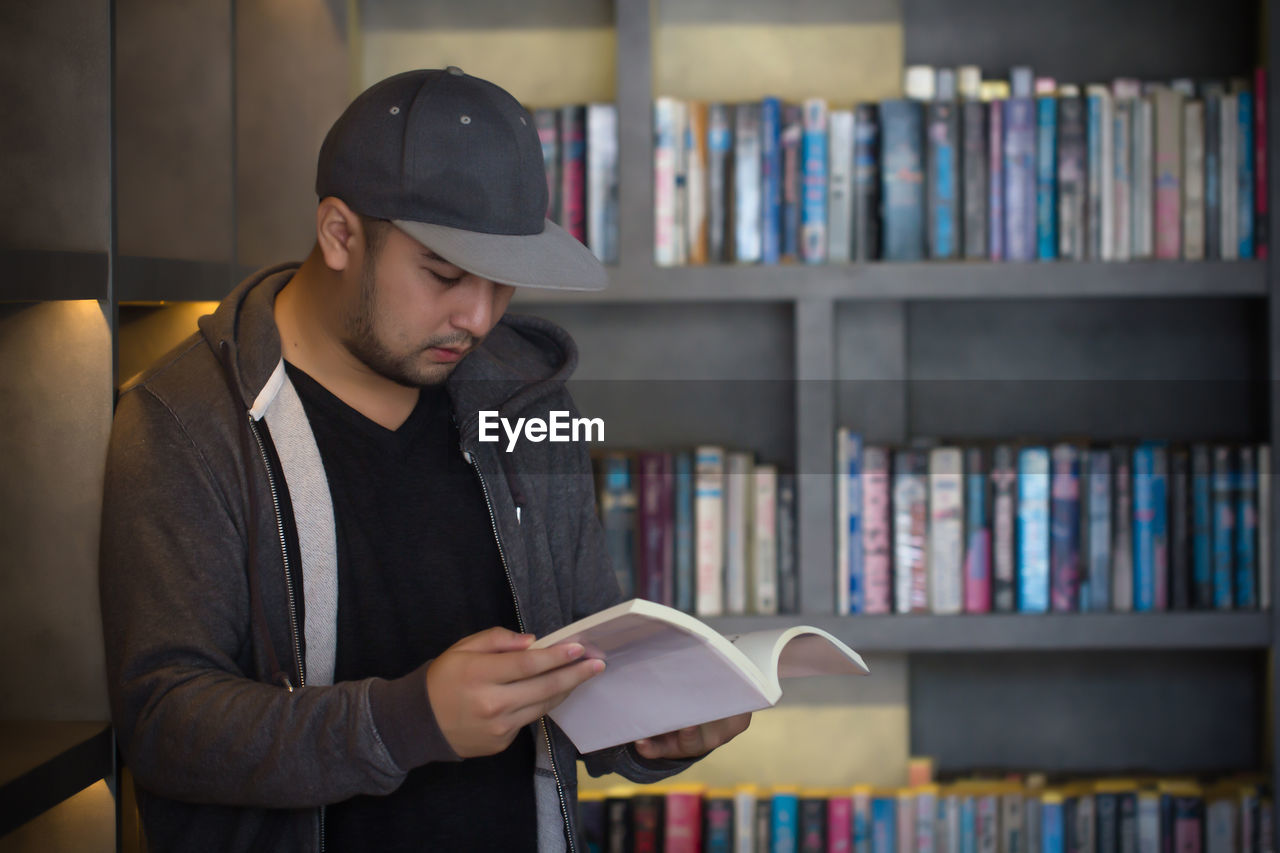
x=1231 y=815
x=580 y=153
x=1018 y=169
x=1033 y=528
x=707 y=530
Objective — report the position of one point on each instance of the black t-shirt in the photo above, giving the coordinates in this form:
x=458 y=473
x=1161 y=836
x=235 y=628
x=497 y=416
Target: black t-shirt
x=418 y=570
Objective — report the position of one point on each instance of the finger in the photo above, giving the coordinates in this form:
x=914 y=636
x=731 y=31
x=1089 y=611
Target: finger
x=539 y=695
x=531 y=663
x=495 y=640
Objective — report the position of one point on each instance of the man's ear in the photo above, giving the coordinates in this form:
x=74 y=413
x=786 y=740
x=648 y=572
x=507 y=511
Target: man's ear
x=338 y=232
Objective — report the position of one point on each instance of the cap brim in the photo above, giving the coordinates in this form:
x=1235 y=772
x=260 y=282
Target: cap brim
x=553 y=259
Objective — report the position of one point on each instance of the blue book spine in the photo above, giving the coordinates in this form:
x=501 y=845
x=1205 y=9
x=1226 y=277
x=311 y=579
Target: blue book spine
x=785 y=829
x=1246 y=591
x=1064 y=529
x=944 y=177
x=1144 y=511
x=1052 y=831
x=857 y=572
x=1224 y=525
x=770 y=180
x=1201 y=527
x=968 y=825
x=813 y=208
x=1020 y=179
x=884 y=825
x=1033 y=530
x=901 y=162
x=1097 y=587
x=1244 y=172
x=685 y=555
x=1047 y=178
x=995 y=176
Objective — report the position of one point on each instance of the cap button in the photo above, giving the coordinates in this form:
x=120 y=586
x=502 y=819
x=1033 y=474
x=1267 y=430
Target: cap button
x=453 y=69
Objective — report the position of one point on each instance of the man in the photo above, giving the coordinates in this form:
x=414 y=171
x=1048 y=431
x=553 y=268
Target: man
x=318 y=587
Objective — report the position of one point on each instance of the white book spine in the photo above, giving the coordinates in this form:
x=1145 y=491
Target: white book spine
x=1220 y=827
x=746 y=183
x=1101 y=170
x=665 y=143
x=946 y=529
x=1107 y=168
x=738 y=507
x=1228 y=146
x=682 y=182
x=1144 y=117
x=1012 y=837
x=840 y=189
x=602 y=181
x=1149 y=822
x=765 y=551
x=1193 y=181
x=1122 y=147
x=926 y=821
x=709 y=537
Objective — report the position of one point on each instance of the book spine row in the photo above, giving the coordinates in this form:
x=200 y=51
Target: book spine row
x=707 y=530
x=1039 y=171
x=981 y=816
x=580 y=156
x=1152 y=526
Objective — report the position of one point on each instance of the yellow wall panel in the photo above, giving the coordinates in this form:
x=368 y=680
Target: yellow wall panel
x=541 y=68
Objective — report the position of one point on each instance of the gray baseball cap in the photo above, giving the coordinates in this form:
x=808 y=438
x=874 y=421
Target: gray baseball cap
x=455 y=162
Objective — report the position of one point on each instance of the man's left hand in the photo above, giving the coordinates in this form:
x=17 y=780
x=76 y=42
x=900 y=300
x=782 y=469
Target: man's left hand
x=693 y=741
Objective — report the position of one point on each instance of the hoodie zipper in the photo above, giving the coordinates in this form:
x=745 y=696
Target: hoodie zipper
x=288 y=581
x=542 y=722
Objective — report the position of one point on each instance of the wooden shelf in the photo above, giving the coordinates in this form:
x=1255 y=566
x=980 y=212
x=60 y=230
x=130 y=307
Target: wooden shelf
x=923 y=281
x=41 y=276
x=44 y=763
x=1028 y=631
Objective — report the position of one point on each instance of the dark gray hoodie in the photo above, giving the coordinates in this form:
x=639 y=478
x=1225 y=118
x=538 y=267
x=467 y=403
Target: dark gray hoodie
x=221 y=693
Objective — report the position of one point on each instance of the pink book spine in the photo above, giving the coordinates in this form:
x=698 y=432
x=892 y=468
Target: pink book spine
x=1261 y=223
x=839 y=825
x=573 y=198
x=977 y=573
x=876 y=527
x=684 y=823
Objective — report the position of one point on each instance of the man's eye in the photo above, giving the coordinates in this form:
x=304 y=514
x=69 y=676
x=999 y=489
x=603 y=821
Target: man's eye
x=443 y=279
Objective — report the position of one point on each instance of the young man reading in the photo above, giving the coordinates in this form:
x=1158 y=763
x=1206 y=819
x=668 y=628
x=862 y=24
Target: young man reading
x=319 y=587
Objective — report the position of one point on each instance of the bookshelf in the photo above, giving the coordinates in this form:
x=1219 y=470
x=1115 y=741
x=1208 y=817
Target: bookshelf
x=835 y=344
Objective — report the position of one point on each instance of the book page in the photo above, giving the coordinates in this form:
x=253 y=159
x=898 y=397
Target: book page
x=657 y=678
x=798 y=651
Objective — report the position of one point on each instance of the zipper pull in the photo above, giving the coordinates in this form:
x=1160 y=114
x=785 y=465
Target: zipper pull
x=517 y=515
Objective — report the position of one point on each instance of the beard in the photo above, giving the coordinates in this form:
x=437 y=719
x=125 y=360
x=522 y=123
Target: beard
x=408 y=369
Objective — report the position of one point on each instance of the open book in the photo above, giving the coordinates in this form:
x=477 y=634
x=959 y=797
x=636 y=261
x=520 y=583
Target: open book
x=666 y=670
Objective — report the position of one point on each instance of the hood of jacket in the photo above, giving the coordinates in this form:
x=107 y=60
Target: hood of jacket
x=522 y=361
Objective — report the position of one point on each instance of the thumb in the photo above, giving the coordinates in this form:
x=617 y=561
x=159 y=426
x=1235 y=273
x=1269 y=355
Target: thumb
x=495 y=640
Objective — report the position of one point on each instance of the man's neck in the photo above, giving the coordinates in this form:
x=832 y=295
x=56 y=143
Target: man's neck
x=307 y=342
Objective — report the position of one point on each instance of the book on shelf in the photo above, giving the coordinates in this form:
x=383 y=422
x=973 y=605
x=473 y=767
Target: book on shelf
x=580 y=159
x=1065 y=526
x=1017 y=169
x=665 y=670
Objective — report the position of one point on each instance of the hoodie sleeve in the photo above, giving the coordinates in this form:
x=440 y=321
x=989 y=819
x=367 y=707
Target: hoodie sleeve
x=193 y=723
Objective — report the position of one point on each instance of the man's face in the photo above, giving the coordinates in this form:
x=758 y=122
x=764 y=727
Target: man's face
x=416 y=315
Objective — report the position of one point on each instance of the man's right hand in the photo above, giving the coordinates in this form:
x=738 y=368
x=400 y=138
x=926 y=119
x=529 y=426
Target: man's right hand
x=486 y=687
